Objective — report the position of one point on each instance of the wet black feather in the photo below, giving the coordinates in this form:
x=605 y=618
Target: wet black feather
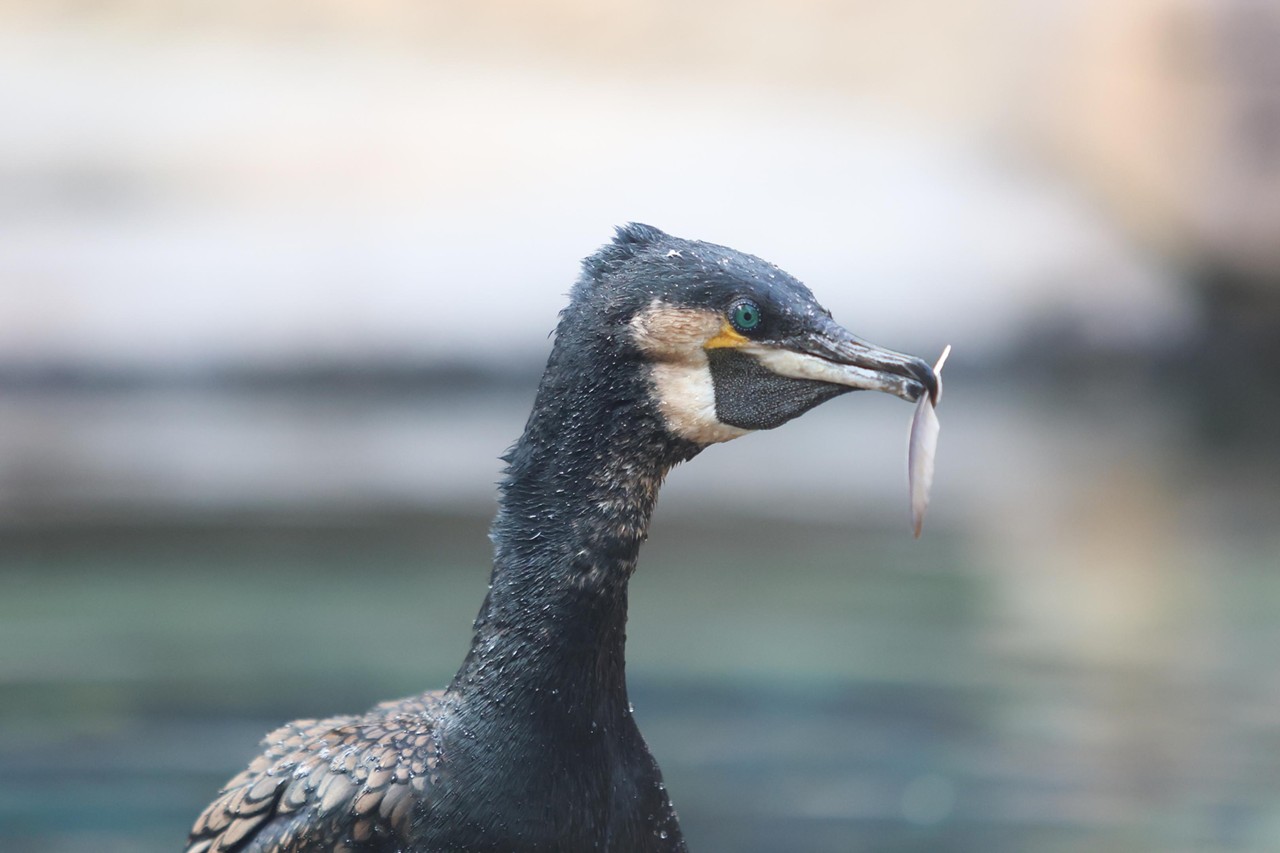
x=533 y=746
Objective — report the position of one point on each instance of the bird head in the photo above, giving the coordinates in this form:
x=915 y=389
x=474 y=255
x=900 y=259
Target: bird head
x=731 y=343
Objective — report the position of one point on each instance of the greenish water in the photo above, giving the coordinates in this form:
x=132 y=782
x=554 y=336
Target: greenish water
x=805 y=687
x=1079 y=654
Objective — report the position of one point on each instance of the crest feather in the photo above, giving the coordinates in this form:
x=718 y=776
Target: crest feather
x=628 y=241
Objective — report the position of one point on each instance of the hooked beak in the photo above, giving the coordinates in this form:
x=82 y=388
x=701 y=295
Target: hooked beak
x=830 y=353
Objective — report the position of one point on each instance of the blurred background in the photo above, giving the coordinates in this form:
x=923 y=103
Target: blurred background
x=276 y=281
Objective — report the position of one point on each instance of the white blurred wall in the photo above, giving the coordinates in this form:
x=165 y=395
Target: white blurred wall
x=193 y=183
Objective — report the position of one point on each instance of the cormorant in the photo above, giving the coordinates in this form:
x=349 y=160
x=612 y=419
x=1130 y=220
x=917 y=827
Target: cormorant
x=667 y=346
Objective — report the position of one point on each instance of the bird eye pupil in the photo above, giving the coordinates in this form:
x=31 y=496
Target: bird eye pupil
x=745 y=316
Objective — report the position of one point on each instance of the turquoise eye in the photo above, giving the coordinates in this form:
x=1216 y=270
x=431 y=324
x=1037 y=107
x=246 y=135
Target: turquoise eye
x=744 y=315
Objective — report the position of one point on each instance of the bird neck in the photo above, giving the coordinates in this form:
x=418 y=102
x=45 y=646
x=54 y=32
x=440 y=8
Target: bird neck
x=574 y=509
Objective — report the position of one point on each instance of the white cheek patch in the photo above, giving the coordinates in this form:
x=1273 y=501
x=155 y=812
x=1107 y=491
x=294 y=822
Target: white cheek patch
x=687 y=401
x=673 y=339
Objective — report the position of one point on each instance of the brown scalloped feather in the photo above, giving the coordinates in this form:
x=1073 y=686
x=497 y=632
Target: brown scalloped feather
x=327 y=784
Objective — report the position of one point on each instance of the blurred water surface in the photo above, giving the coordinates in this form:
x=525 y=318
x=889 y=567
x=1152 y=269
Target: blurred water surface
x=1089 y=670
